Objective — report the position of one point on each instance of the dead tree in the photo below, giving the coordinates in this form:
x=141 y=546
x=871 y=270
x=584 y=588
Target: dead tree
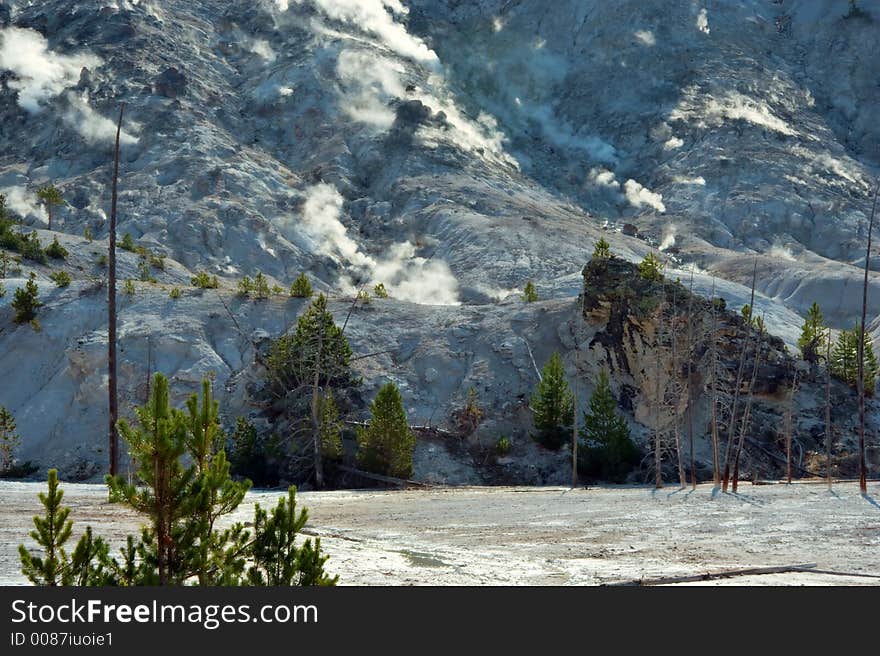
x=731 y=429
x=828 y=435
x=690 y=391
x=863 y=469
x=789 y=426
x=747 y=413
x=111 y=314
x=713 y=336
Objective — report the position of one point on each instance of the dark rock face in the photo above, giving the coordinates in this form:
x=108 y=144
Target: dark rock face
x=171 y=83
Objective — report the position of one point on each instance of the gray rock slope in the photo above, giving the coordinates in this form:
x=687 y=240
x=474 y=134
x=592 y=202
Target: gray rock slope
x=449 y=150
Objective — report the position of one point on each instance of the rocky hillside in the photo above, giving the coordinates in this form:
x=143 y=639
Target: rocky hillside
x=449 y=150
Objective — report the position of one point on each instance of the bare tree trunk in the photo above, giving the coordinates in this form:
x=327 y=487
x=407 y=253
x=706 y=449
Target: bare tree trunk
x=690 y=395
x=574 y=428
x=111 y=316
x=658 y=459
x=316 y=419
x=716 y=467
x=742 y=361
x=789 y=427
x=748 y=409
x=828 y=436
x=682 y=479
x=863 y=468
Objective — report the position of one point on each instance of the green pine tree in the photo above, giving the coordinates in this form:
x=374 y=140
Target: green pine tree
x=814 y=335
x=301 y=287
x=651 y=268
x=330 y=427
x=845 y=359
x=51 y=532
x=607 y=451
x=530 y=292
x=386 y=445
x=51 y=197
x=602 y=250
x=553 y=405
x=26 y=301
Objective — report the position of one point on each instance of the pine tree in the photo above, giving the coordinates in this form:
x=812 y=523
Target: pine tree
x=261 y=286
x=845 y=359
x=602 y=250
x=813 y=335
x=25 y=303
x=330 y=427
x=553 y=405
x=651 y=268
x=379 y=291
x=9 y=440
x=51 y=533
x=608 y=452
x=530 y=292
x=386 y=445
x=51 y=197
x=301 y=287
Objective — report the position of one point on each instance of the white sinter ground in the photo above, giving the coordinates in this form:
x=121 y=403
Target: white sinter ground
x=543 y=536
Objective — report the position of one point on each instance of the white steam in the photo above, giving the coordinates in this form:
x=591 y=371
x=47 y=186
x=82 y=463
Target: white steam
x=668 y=240
x=601 y=177
x=781 y=252
x=24 y=203
x=93 y=127
x=639 y=196
x=40 y=73
x=405 y=275
x=371 y=83
x=703 y=21
x=684 y=180
x=673 y=143
x=708 y=110
x=646 y=37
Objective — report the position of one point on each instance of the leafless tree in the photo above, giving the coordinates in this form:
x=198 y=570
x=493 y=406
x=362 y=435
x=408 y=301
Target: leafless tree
x=111 y=313
x=863 y=468
x=747 y=413
x=828 y=436
x=789 y=426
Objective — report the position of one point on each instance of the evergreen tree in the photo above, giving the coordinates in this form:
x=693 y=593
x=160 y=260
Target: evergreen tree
x=51 y=197
x=553 y=405
x=386 y=445
x=330 y=427
x=56 y=251
x=530 y=292
x=651 y=268
x=301 y=287
x=814 y=335
x=9 y=440
x=845 y=359
x=261 y=286
x=602 y=250
x=51 y=532
x=379 y=291
x=317 y=344
x=607 y=450
x=25 y=303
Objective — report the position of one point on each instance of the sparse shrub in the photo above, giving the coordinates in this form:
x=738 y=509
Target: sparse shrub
x=245 y=286
x=502 y=445
x=553 y=405
x=364 y=297
x=26 y=302
x=102 y=260
x=301 y=287
x=204 y=281
x=277 y=290
x=60 y=278
x=56 y=251
x=32 y=249
x=379 y=291
x=4 y=264
x=530 y=292
x=51 y=197
x=469 y=416
x=651 y=268
x=175 y=293
x=145 y=273
x=814 y=336
x=128 y=287
x=88 y=235
x=9 y=440
x=386 y=445
x=2 y=290
x=127 y=243
x=157 y=261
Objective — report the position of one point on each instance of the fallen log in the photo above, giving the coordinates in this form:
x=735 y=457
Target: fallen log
x=402 y=482
x=709 y=576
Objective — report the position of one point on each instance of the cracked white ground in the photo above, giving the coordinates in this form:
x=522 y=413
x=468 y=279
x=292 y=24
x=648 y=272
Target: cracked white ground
x=542 y=536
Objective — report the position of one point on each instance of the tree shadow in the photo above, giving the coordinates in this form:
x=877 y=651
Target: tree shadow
x=745 y=498
x=867 y=497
